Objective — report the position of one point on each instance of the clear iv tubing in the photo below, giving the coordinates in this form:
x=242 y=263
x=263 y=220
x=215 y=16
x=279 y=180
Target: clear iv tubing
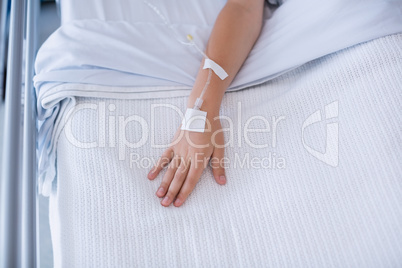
x=199 y=101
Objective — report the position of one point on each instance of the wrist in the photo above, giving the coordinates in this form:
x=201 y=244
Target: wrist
x=211 y=101
x=211 y=107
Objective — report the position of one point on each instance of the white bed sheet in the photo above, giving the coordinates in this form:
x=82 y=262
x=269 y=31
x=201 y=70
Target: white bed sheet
x=305 y=214
x=141 y=52
x=124 y=9
x=179 y=11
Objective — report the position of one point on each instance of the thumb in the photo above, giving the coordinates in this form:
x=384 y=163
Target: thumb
x=218 y=165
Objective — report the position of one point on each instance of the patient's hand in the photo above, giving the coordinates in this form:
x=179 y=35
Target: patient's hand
x=186 y=160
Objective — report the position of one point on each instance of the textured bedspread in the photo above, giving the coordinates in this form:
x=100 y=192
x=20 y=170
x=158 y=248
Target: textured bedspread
x=325 y=191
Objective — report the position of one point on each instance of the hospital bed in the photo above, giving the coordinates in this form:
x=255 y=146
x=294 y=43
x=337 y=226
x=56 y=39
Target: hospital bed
x=18 y=175
x=3 y=34
x=329 y=191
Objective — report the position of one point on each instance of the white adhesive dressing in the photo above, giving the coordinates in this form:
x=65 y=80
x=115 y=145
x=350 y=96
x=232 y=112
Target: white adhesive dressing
x=194 y=120
x=218 y=70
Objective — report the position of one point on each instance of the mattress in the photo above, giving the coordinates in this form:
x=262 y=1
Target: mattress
x=325 y=191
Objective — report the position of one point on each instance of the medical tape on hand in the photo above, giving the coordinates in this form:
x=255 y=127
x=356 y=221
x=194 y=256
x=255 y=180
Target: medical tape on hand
x=218 y=70
x=194 y=120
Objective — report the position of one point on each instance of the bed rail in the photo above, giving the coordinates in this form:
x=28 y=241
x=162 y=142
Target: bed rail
x=29 y=172
x=3 y=40
x=18 y=230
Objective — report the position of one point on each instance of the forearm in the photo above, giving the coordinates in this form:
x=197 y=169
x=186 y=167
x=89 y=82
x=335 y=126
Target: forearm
x=232 y=38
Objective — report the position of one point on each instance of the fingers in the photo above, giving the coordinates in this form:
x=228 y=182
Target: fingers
x=193 y=176
x=176 y=184
x=162 y=162
x=168 y=177
x=217 y=164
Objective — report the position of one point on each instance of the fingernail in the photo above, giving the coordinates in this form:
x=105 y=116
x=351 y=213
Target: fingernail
x=165 y=201
x=222 y=179
x=177 y=202
x=160 y=191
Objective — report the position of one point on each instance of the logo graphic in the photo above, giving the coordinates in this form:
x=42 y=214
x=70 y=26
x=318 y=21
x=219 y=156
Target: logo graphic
x=331 y=154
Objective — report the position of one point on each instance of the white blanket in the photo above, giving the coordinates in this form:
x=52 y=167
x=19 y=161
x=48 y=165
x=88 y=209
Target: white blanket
x=124 y=59
x=304 y=209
